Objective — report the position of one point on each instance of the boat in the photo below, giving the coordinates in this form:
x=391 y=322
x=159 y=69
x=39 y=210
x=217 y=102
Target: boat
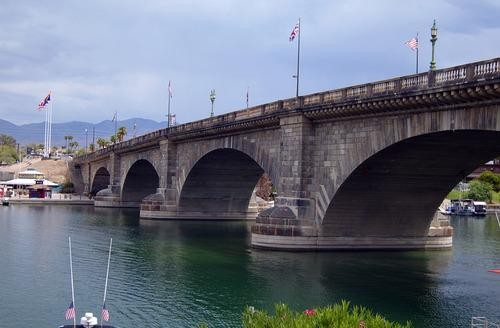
x=5 y=201
x=479 y=208
x=88 y=320
x=465 y=207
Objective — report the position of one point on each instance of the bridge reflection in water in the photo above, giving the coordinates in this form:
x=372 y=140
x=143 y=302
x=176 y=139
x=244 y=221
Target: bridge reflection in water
x=361 y=167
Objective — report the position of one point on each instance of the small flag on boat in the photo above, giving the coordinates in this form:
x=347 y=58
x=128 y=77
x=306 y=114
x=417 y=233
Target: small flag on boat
x=44 y=102
x=105 y=313
x=70 y=312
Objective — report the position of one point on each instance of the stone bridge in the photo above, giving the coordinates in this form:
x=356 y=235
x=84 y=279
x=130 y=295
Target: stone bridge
x=360 y=167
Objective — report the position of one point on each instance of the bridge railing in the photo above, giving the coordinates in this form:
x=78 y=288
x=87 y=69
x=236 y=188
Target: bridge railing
x=454 y=75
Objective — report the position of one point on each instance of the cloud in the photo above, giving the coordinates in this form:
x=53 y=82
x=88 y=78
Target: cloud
x=98 y=56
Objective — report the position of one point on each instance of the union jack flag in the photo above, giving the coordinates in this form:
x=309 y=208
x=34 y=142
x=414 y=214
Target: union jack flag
x=44 y=102
x=104 y=313
x=294 y=33
x=70 y=312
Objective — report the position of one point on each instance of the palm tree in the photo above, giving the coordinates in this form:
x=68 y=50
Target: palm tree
x=67 y=138
x=73 y=145
x=92 y=147
x=121 y=133
x=102 y=142
x=113 y=138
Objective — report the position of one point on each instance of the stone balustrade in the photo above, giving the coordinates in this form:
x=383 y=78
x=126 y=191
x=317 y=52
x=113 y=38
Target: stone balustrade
x=473 y=72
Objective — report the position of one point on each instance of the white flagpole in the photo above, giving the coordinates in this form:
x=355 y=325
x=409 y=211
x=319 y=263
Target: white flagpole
x=298 y=60
x=50 y=125
x=72 y=286
x=107 y=275
x=45 y=134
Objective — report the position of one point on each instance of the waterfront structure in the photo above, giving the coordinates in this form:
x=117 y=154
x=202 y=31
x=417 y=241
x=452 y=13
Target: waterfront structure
x=360 y=167
x=33 y=181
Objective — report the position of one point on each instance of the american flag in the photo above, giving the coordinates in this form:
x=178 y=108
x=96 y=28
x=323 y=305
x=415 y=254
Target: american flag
x=44 y=102
x=412 y=43
x=169 y=89
x=294 y=33
x=105 y=313
x=70 y=312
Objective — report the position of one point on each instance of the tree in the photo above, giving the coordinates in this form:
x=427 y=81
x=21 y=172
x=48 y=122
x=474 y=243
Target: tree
x=121 y=133
x=479 y=190
x=264 y=187
x=113 y=139
x=102 y=142
x=6 y=140
x=8 y=154
x=68 y=139
x=73 y=145
x=492 y=179
x=91 y=147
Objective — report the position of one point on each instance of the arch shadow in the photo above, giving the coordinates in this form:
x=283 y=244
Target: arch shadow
x=141 y=180
x=101 y=180
x=396 y=192
x=220 y=186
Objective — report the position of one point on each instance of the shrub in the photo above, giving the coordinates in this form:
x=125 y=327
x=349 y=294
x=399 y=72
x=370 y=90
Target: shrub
x=479 y=190
x=491 y=178
x=68 y=188
x=337 y=315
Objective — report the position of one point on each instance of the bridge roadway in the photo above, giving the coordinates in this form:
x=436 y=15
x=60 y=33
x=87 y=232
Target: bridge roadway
x=362 y=167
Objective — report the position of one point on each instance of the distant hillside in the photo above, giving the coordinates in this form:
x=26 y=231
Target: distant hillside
x=34 y=132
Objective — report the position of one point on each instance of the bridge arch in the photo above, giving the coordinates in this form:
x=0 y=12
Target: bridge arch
x=100 y=181
x=141 y=180
x=396 y=191
x=260 y=152
x=220 y=185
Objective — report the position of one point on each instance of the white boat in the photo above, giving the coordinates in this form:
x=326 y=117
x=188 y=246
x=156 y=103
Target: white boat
x=465 y=207
x=87 y=321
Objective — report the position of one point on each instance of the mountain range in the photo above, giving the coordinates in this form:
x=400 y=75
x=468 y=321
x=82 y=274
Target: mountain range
x=35 y=132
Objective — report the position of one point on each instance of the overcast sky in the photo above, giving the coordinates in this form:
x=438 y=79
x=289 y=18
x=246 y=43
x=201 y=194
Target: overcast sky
x=98 y=56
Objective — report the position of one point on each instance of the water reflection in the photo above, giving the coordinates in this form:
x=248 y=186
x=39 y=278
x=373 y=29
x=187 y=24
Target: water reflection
x=180 y=273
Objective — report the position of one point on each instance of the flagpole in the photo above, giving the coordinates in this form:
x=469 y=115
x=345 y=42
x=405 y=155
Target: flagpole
x=50 y=125
x=298 y=61
x=116 y=122
x=168 y=111
x=107 y=275
x=72 y=286
x=45 y=134
x=417 y=54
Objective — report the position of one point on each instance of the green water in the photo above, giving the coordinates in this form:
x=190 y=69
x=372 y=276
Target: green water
x=178 y=274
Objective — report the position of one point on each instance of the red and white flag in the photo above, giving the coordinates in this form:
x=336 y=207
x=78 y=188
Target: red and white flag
x=70 y=312
x=169 y=89
x=44 y=102
x=412 y=43
x=295 y=32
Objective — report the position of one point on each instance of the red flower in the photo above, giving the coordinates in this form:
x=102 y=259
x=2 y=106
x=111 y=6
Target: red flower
x=309 y=312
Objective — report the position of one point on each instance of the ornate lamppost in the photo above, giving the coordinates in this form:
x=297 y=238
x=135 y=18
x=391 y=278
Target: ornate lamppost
x=434 y=32
x=212 y=99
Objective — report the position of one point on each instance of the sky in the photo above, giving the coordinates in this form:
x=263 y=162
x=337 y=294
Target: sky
x=102 y=56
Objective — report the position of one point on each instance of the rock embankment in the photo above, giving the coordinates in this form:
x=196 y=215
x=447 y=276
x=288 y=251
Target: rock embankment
x=55 y=170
